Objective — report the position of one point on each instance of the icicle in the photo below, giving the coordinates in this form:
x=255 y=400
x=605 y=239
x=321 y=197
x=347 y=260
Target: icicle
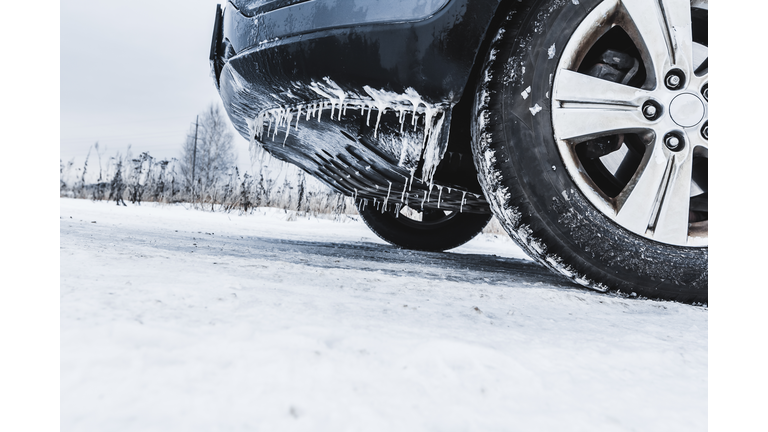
x=380 y=99
x=381 y=110
x=338 y=92
x=298 y=116
x=461 y=206
x=397 y=210
x=288 y=118
x=433 y=150
x=439 y=195
x=413 y=97
x=278 y=119
x=423 y=199
x=389 y=189
x=405 y=186
x=428 y=114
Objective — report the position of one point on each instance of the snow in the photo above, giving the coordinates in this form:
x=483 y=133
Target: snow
x=180 y=319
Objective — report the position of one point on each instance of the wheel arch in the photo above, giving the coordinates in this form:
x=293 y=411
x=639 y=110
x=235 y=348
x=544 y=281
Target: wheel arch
x=461 y=116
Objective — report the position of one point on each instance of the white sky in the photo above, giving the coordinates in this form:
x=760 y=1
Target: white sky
x=135 y=73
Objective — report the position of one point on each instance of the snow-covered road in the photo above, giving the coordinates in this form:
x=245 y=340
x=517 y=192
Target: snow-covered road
x=184 y=320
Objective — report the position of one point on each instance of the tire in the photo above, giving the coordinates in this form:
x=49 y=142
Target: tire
x=592 y=158
x=431 y=230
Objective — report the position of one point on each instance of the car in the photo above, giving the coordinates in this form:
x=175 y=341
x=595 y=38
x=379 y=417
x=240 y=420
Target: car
x=582 y=125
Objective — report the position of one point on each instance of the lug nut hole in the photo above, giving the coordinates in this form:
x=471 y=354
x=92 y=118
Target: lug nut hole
x=674 y=141
x=675 y=79
x=651 y=110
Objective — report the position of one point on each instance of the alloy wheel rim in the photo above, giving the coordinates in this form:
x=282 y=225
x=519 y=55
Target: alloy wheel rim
x=638 y=149
x=423 y=218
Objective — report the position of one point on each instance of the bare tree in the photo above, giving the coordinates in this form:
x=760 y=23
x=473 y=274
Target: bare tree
x=209 y=151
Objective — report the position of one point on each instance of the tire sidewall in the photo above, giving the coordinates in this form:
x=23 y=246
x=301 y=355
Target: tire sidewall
x=557 y=214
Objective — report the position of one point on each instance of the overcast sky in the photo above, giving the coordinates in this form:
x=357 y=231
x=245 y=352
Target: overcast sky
x=135 y=72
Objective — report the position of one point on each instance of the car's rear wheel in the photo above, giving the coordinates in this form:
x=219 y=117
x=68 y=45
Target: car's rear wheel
x=433 y=230
x=591 y=139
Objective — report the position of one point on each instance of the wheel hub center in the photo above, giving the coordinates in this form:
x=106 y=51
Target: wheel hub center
x=686 y=110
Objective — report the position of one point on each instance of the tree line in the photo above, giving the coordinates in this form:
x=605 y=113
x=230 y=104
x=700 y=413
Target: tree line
x=204 y=175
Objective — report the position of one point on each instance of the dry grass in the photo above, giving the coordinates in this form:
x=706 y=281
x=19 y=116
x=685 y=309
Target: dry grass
x=144 y=179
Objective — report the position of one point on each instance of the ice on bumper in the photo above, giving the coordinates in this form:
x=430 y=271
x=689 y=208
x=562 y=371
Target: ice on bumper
x=421 y=123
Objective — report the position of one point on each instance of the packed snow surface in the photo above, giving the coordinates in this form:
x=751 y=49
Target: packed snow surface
x=175 y=319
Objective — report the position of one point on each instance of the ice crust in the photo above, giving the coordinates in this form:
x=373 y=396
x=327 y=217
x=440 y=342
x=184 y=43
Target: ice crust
x=409 y=106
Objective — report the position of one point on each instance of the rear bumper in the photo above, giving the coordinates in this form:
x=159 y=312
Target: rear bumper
x=388 y=45
x=270 y=66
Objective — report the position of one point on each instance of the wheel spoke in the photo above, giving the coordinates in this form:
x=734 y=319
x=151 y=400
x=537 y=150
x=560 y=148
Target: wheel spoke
x=677 y=14
x=578 y=90
x=657 y=200
x=663 y=27
x=587 y=107
x=580 y=124
x=672 y=222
